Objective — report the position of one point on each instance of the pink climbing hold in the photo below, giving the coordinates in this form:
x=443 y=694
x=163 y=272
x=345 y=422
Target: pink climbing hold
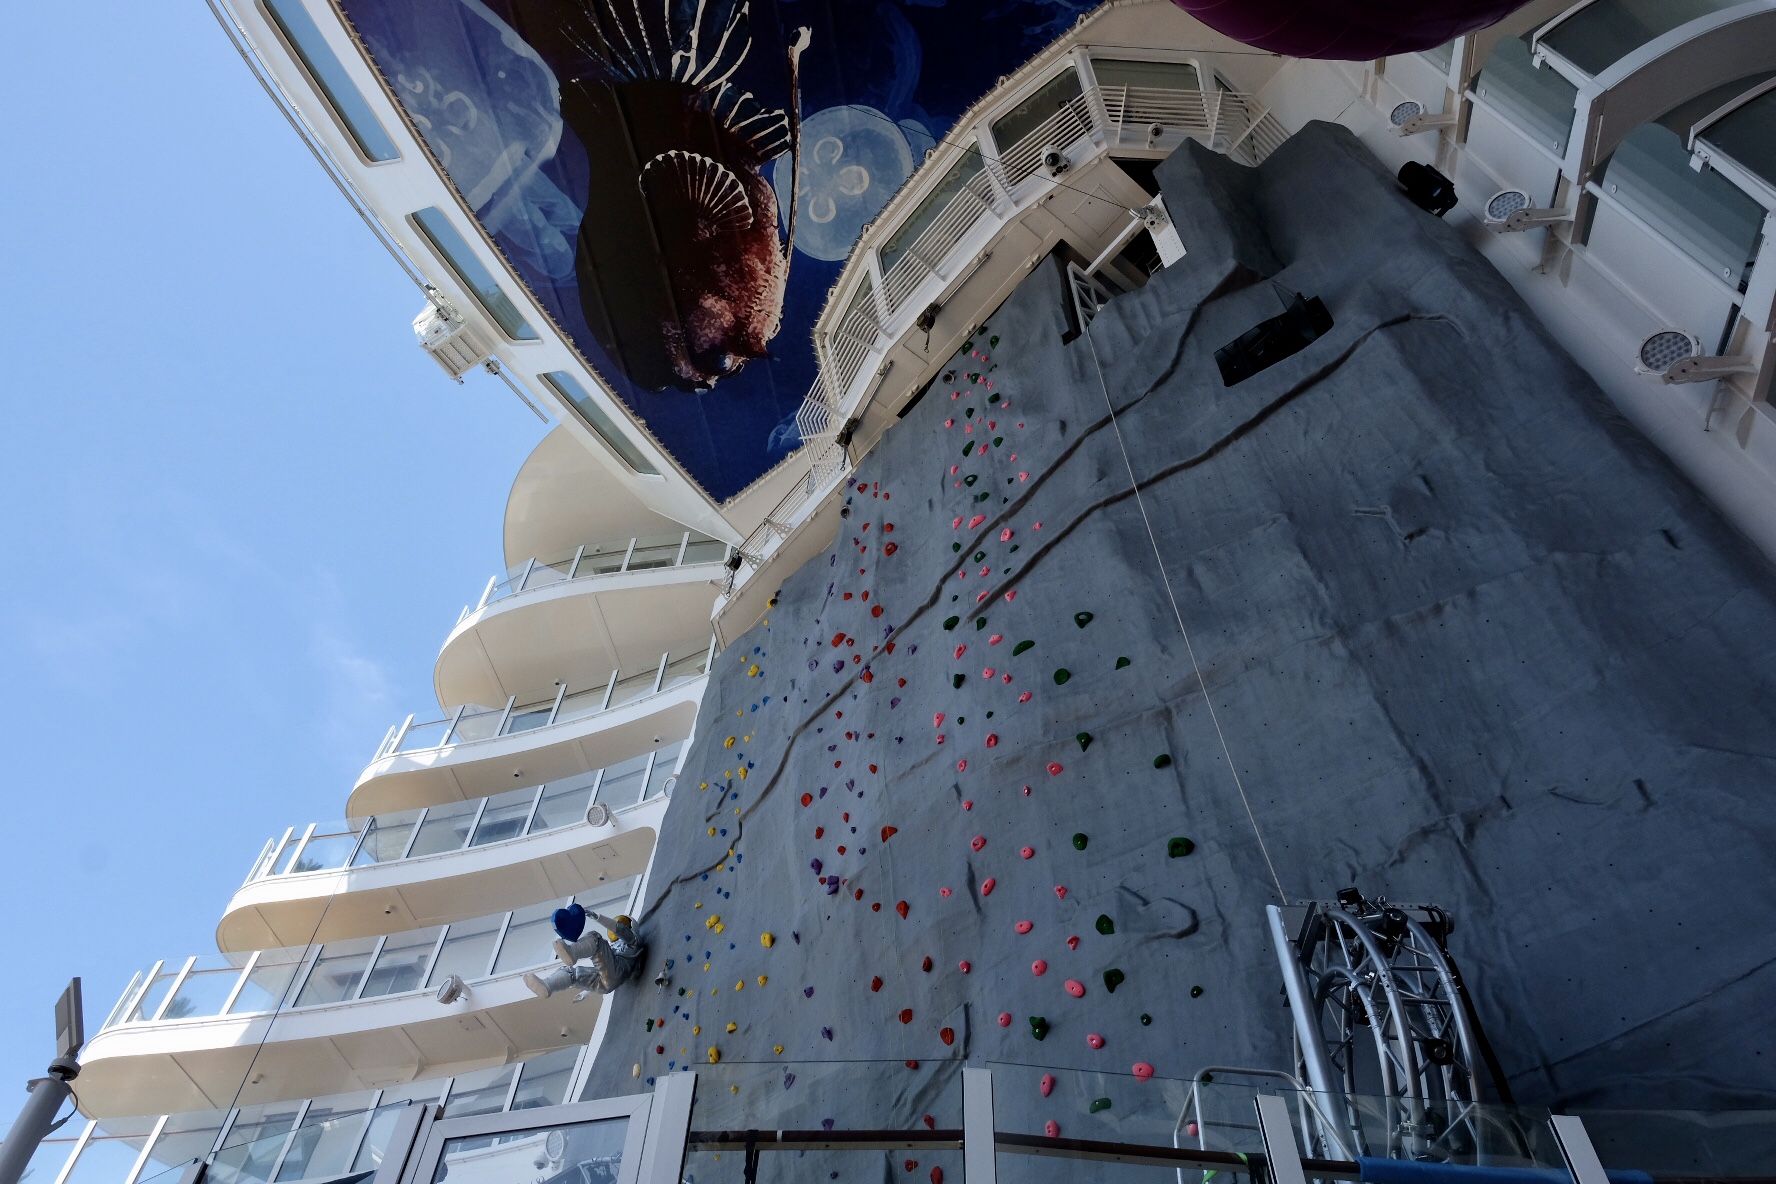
x=956 y=524
x=1075 y=988
x=937 y=720
x=978 y=842
x=1052 y=1129
x=1005 y=535
x=1025 y=697
x=1005 y=1019
x=996 y=639
x=1093 y=1040
x=960 y=650
x=1023 y=476
x=987 y=886
x=1073 y=942
x=976 y=521
x=1027 y=852
x=1024 y=926
x=1010 y=595
x=1060 y=892
x=1055 y=769
x=964 y=966
x=992 y=740
x=1048 y=1084
x=1039 y=968
x=1142 y=1071
x=944 y=892
x=962 y=765
x=1007 y=678
x=988 y=673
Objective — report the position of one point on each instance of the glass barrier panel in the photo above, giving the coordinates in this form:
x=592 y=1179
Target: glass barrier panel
x=1538 y=101
x=186 y=1137
x=52 y=1153
x=504 y=817
x=1152 y=75
x=655 y=552
x=1031 y=114
x=117 y=1008
x=382 y=1123
x=665 y=761
x=268 y=983
x=542 y=1081
x=1684 y=1143
x=633 y=687
x=156 y=992
x=253 y=1143
x=324 y=1142
x=622 y=783
x=330 y=78
x=582 y=1151
x=564 y=802
x=446 y=828
x=602 y=558
x=599 y=421
x=481 y=1092
x=543 y=574
x=477 y=723
x=112 y=1151
x=386 y=838
x=205 y=990
x=1596 y=36
x=468 y=948
x=702 y=550
x=529 y=939
x=402 y=964
x=329 y=847
x=1703 y=214
x=336 y=972
x=959 y=176
x=529 y=717
x=581 y=704
x=424 y=735
x=686 y=665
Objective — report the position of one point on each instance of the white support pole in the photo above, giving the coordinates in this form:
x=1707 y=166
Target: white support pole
x=1281 y=1153
x=980 y=1163
x=669 y=1126
x=1575 y=1148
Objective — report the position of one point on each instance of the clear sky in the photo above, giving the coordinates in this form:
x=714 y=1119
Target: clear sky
x=242 y=507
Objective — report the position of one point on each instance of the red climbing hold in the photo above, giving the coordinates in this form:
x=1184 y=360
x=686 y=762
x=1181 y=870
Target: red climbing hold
x=964 y=966
x=906 y=1015
x=1142 y=1071
x=1024 y=926
x=947 y=1035
x=987 y=886
x=1052 y=1129
x=925 y=964
x=877 y=610
x=1055 y=769
x=1039 y=968
x=876 y=982
x=936 y=1174
x=838 y=639
x=1005 y=1019
x=978 y=842
x=888 y=832
x=992 y=740
x=807 y=799
x=1027 y=852
x=820 y=832
x=901 y=908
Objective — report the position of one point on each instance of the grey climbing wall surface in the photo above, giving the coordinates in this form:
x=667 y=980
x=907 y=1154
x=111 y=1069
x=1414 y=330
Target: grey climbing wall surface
x=1468 y=639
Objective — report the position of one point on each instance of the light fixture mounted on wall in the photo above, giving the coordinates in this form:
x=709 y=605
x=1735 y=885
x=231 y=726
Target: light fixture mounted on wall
x=1509 y=210
x=1675 y=356
x=1409 y=119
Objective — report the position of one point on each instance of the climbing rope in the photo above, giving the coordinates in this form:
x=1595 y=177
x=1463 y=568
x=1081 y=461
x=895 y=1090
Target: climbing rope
x=1178 y=615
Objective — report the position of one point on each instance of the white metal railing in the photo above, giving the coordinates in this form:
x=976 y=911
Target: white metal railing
x=352 y=969
x=642 y=553
x=470 y=723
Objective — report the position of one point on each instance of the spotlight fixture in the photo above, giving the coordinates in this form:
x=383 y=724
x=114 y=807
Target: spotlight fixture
x=452 y=989
x=1510 y=210
x=598 y=814
x=1403 y=112
x=1409 y=119
x=1675 y=356
x=1055 y=161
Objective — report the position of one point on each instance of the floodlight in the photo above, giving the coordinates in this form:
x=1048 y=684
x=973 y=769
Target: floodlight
x=1675 y=355
x=1511 y=210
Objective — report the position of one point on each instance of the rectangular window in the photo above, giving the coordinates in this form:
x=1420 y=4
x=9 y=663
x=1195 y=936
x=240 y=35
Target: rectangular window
x=1147 y=75
x=961 y=176
x=542 y=1081
x=328 y=75
x=468 y=947
x=564 y=802
x=504 y=817
x=446 y=828
x=454 y=249
x=529 y=939
x=336 y=972
x=1042 y=111
x=1538 y=101
x=600 y=423
x=328 y=1136
x=402 y=964
x=481 y=1092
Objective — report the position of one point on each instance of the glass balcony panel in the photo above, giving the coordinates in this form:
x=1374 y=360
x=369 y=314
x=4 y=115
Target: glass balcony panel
x=665 y=760
x=580 y=704
x=543 y=574
x=205 y=990
x=529 y=939
x=468 y=947
x=116 y=1016
x=602 y=558
x=564 y=802
x=481 y=1092
x=542 y=1081
x=1538 y=101
x=402 y=964
x=1037 y=110
x=1150 y=75
x=477 y=723
x=52 y=1153
x=504 y=817
x=446 y=828
x=1440 y=56
x=529 y=717
x=336 y=972
x=655 y=552
x=622 y=784
x=327 y=1138
x=327 y=848
x=156 y=992
x=686 y=664
x=702 y=550
x=590 y=1151
x=185 y=1137
x=1599 y=35
x=1703 y=214
x=1748 y=135
x=386 y=838
x=252 y=1145
x=961 y=175
x=268 y=985
x=113 y=1150
x=425 y=735
x=461 y=259
x=395 y=1100
x=632 y=687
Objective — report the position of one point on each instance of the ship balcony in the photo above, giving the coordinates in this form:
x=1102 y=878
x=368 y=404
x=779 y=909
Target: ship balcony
x=437 y=864
x=357 y=1013
x=474 y=752
x=574 y=616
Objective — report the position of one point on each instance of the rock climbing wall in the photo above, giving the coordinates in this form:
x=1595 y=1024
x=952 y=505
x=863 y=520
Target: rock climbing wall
x=961 y=798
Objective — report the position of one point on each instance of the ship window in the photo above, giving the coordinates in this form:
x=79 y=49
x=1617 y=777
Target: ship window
x=1037 y=110
x=1599 y=35
x=456 y=253
x=960 y=176
x=329 y=77
x=600 y=422
x=1147 y=75
x=1538 y=101
x=1703 y=214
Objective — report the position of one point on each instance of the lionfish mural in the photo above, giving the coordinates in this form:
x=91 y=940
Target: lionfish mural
x=680 y=268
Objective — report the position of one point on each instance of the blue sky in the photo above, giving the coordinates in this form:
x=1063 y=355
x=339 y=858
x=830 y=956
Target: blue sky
x=242 y=506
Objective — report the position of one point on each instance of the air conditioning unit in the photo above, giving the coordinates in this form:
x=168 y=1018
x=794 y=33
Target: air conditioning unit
x=452 y=341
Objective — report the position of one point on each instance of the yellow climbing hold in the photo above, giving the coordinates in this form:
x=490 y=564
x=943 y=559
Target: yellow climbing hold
x=732 y=1027
x=752 y=671
x=728 y=743
x=712 y=920
x=712 y=832
x=742 y=774
x=762 y=980
x=767 y=940
x=696 y=1029
x=721 y=928
x=740 y=985
x=714 y=1054
x=778 y=1049
x=733 y=1089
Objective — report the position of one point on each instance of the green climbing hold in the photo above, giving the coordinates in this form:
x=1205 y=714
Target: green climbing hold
x=957 y=680
x=1039 y=1027
x=1085 y=740
x=968 y=448
x=967 y=346
x=983 y=495
x=1120 y=662
x=650 y=1025
x=969 y=412
x=971 y=479
x=998 y=440
x=952 y=622
x=1020 y=647
x=1082 y=619
x=1146 y=1020
x=1099 y=1105
x=993 y=398
x=993 y=341
x=1105 y=925
x=1062 y=675
x=979 y=624
x=1162 y=761
x=1196 y=992
x=1113 y=978
x=1079 y=841
x=1013 y=547
x=979 y=555
x=1179 y=847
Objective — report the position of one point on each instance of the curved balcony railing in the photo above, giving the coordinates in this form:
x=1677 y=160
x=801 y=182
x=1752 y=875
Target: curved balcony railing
x=286 y=980
x=469 y=723
x=642 y=553
x=460 y=826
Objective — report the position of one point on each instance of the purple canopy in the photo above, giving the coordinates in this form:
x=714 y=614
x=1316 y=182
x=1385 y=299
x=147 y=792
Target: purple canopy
x=1352 y=30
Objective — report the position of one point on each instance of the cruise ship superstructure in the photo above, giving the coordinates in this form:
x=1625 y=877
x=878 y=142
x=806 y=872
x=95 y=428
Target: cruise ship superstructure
x=366 y=1011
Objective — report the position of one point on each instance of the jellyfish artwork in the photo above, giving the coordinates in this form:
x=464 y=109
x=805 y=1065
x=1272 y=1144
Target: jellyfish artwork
x=854 y=158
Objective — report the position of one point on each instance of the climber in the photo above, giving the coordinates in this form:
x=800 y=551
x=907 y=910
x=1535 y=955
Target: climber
x=613 y=961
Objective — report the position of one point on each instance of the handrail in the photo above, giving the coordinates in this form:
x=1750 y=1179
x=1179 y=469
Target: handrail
x=639 y=553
